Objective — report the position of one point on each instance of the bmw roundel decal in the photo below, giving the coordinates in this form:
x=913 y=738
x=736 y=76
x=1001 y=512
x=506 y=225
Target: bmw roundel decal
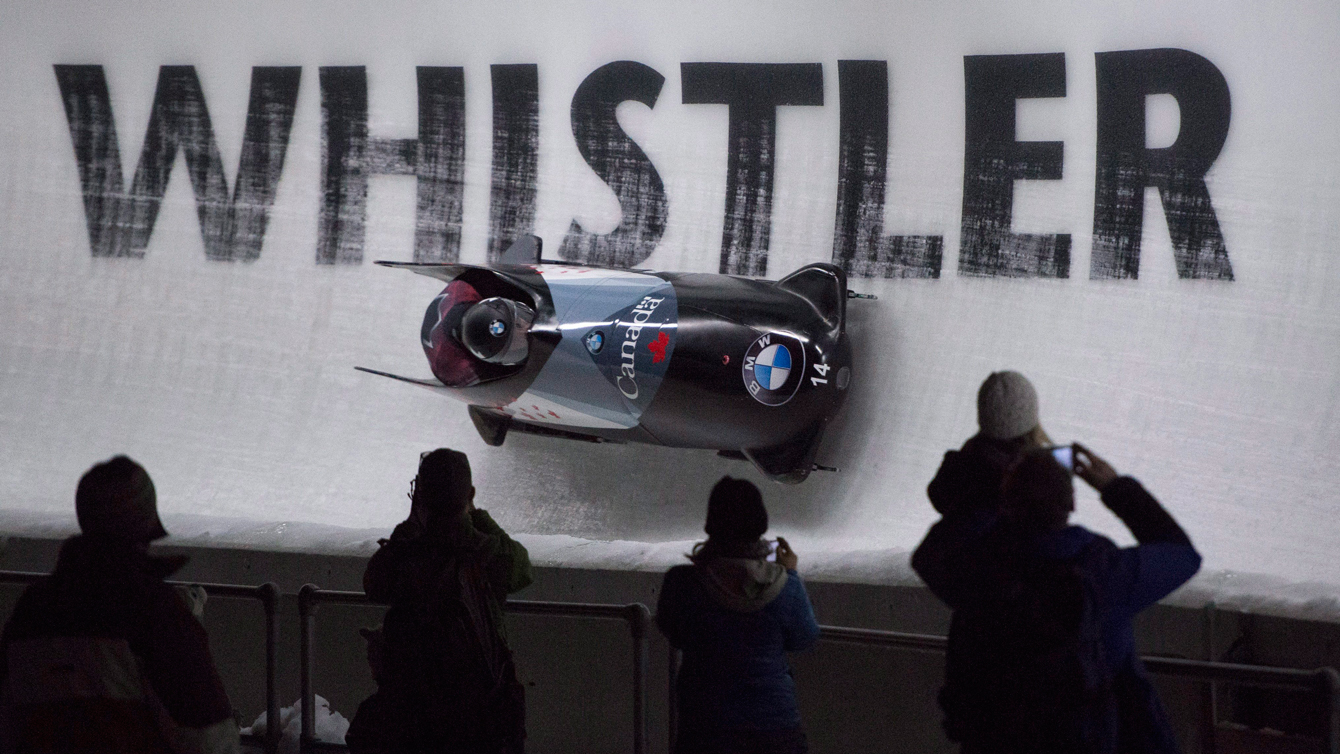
x=773 y=368
x=594 y=340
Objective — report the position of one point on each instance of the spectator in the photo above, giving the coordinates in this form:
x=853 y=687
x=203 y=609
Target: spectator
x=735 y=615
x=103 y=655
x=1007 y=415
x=372 y=731
x=445 y=573
x=968 y=481
x=1047 y=661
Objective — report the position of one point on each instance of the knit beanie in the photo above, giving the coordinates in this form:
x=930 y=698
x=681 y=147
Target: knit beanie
x=735 y=511
x=444 y=481
x=1007 y=406
x=116 y=499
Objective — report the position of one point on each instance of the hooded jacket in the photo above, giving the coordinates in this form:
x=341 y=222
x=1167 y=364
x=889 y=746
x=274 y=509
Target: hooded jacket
x=104 y=655
x=734 y=619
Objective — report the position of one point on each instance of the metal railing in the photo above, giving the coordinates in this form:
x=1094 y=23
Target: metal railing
x=635 y=615
x=1325 y=682
x=268 y=595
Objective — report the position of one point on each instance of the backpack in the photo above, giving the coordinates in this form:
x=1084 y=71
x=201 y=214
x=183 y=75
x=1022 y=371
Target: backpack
x=1025 y=670
x=448 y=668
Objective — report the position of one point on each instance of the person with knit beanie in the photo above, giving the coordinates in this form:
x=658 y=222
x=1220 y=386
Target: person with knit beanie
x=1008 y=426
x=966 y=489
x=1041 y=653
x=734 y=613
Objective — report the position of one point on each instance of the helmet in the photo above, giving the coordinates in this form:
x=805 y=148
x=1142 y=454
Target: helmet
x=495 y=330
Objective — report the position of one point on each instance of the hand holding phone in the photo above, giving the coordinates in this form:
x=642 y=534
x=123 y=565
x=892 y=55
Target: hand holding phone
x=1092 y=469
x=786 y=557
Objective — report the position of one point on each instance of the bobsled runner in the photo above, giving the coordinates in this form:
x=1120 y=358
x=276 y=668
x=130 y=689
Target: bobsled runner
x=754 y=369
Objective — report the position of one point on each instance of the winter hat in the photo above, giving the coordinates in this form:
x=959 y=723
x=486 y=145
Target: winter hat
x=116 y=499
x=1038 y=492
x=1007 y=406
x=444 y=483
x=735 y=511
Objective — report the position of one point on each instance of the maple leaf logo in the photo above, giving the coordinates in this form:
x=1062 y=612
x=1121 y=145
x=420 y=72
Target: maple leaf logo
x=657 y=348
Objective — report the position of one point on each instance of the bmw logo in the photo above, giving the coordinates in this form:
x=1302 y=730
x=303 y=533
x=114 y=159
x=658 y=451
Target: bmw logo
x=594 y=340
x=497 y=327
x=773 y=368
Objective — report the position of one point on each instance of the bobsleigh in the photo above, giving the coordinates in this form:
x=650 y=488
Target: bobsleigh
x=753 y=369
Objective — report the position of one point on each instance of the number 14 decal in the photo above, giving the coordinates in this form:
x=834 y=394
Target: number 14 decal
x=822 y=379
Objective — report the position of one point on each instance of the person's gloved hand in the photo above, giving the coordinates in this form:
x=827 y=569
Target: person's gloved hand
x=1092 y=469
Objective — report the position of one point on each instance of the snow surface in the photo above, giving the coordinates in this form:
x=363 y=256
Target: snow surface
x=1228 y=590
x=234 y=383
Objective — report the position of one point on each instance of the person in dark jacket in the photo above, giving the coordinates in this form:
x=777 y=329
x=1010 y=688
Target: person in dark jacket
x=968 y=480
x=1007 y=417
x=377 y=723
x=971 y=553
x=735 y=614
x=103 y=655
x=445 y=572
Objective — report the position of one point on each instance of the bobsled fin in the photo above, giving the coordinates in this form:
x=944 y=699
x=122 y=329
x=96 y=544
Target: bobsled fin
x=492 y=427
x=444 y=272
x=431 y=384
x=824 y=286
x=524 y=250
x=790 y=462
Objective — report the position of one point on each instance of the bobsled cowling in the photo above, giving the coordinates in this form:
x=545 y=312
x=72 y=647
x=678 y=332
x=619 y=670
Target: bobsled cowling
x=751 y=368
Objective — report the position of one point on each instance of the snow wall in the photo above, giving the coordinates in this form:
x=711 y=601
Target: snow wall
x=1133 y=203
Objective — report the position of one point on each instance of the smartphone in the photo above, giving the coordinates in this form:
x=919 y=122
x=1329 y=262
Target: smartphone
x=1064 y=455
x=772 y=551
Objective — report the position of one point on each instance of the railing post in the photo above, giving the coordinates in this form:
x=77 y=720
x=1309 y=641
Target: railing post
x=307 y=616
x=1211 y=726
x=672 y=706
x=638 y=617
x=269 y=594
x=1329 y=681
